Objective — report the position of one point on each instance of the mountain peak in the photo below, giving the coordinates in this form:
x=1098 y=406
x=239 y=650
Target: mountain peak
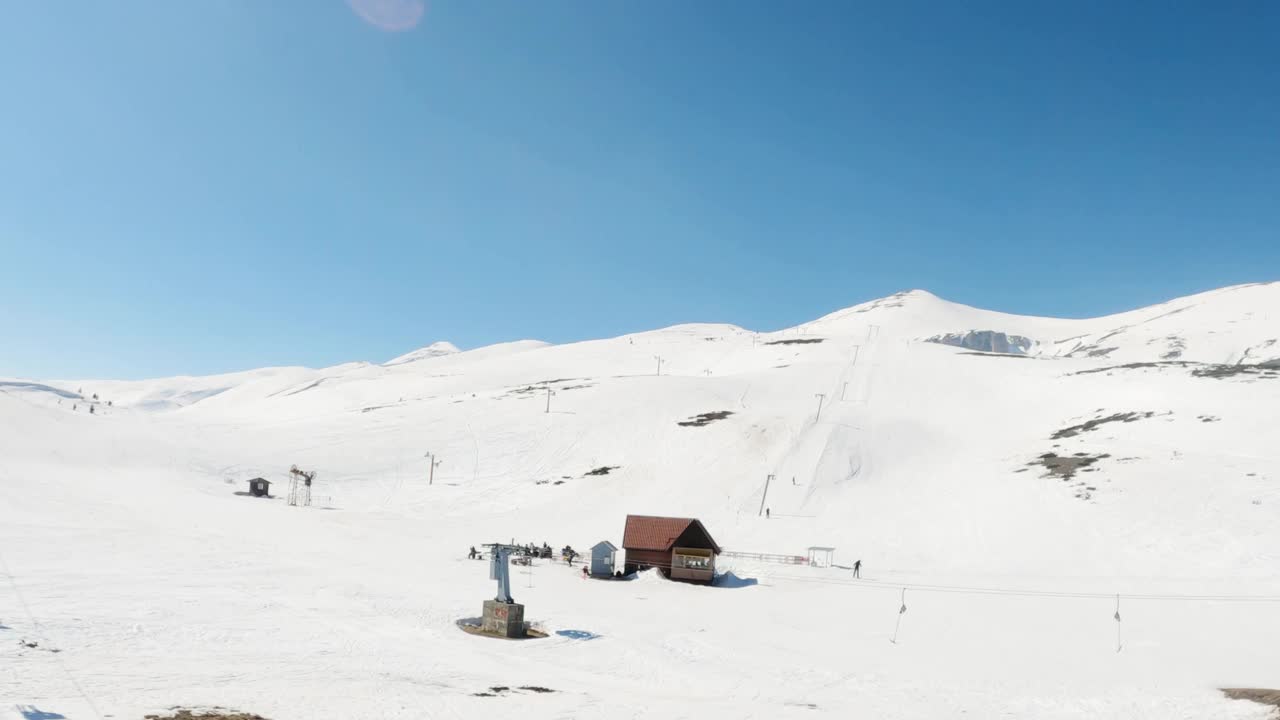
x=917 y=293
x=435 y=349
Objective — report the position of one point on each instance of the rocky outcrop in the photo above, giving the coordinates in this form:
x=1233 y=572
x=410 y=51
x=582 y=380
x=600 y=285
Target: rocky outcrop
x=985 y=341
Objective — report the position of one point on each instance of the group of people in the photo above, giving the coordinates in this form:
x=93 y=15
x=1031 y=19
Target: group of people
x=532 y=550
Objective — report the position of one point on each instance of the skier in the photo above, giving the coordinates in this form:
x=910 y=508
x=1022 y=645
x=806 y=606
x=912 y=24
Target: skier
x=766 y=513
x=585 y=572
x=793 y=479
x=857 y=568
x=472 y=555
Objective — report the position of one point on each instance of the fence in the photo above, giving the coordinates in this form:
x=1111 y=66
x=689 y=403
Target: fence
x=767 y=557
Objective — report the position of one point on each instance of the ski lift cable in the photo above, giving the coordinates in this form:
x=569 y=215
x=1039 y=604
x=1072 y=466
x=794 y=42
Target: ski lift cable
x=22 y=600
x=1016 y=592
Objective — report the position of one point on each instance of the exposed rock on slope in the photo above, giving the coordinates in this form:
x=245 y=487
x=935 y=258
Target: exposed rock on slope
x=986 y=341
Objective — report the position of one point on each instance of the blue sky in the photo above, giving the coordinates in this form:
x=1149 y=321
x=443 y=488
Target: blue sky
x=194 y=187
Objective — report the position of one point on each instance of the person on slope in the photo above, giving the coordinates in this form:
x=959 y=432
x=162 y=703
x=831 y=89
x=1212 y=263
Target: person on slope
x=857 y=568
x=473 y=554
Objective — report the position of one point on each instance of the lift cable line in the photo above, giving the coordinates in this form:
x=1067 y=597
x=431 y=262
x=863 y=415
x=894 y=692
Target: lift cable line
x=1007 y=592
x=1014 y=592
x=35 y=624
x=873 y=585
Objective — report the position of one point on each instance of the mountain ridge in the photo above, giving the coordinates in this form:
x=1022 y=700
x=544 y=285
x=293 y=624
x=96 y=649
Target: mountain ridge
x=925 y=315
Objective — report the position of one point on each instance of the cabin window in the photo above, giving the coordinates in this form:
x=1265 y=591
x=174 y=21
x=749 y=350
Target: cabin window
x=693 y=562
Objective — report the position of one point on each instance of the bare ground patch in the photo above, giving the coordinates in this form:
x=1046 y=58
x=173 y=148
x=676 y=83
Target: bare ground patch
x=557 y=385
x=503 y=690
x=1269 y=370
x=704 y=419
x=796 y=341
x=1258 y=695
x=474 y=626
x=210 y=714
x=1174 y=347
x=1065 y=467
x=1090 y=425
x=1135 y=366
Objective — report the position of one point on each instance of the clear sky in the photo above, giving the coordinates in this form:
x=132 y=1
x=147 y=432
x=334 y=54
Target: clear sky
x=204 y=186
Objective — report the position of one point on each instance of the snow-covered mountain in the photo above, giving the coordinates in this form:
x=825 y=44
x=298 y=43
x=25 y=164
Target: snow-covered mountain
x=1006 y=495
x=435 y=349
x=1231 y=325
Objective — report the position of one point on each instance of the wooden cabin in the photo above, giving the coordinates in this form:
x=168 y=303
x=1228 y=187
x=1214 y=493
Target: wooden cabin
x=259 y=487
x=680 y=547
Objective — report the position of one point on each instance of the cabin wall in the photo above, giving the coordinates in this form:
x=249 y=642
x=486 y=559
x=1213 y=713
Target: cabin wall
x=694 y=564
x=652 y=558
x=694 y=537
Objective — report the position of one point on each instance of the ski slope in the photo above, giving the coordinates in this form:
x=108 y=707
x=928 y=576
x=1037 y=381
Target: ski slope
x=127 y=550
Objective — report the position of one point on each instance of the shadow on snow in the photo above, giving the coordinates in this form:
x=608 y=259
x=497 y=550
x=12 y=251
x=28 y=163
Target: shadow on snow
x=577 y=634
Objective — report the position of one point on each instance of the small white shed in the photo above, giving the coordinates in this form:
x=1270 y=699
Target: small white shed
x=603 y=555
x=820 y=556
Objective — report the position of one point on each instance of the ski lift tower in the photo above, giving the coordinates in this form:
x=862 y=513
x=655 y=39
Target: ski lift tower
x=503 y=616
x=300 y=486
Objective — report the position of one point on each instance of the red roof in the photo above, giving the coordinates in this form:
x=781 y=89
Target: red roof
x=647 y=532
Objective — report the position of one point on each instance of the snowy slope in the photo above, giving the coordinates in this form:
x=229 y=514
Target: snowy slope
x=433 y=350
x=1230 y=325
x=130 y=552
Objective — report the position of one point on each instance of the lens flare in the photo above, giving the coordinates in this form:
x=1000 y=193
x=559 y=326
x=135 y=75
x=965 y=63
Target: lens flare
x=390 y=15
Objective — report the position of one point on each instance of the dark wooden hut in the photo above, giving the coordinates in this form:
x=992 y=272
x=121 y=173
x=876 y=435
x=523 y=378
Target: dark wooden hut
x=680 y=547
x=259 y=487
